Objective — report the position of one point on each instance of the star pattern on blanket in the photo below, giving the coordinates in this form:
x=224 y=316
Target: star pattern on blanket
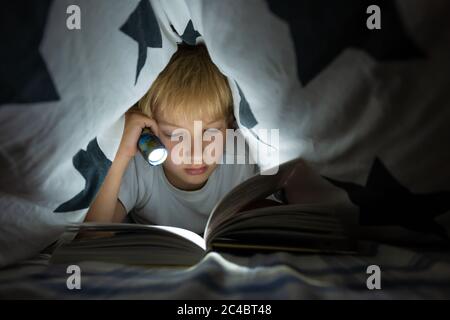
x=321 y=30
x=189 y=35
x=143 y=27
x=384 y=201
x=246 y=116
x=24 y=76
x=93 y=166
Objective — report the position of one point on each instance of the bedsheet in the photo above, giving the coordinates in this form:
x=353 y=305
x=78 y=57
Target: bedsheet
x=405 y=273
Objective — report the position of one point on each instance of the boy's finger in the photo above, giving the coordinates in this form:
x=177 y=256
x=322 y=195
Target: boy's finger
x=152 y=125
x=149 y=123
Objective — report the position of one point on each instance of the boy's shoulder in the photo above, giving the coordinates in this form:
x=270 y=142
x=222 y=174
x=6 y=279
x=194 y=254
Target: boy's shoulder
x=141 y=169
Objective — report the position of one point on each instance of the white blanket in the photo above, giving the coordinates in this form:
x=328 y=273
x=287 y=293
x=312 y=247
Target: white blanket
x=368 y=109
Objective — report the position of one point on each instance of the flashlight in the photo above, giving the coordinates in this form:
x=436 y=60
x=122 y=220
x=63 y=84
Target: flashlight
x=151 y=148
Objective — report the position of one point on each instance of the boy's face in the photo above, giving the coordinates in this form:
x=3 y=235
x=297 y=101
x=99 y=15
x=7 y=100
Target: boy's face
x=194 y=170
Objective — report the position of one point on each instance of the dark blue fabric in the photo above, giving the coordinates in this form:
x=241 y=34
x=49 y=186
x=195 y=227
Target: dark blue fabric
x=93 y=166
x=190 y=35
x=322 y=29
x=246 y=117
x=24 y=77
x=384 y=201
x=143 y=27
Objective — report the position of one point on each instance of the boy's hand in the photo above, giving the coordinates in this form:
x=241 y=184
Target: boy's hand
x=135 y=121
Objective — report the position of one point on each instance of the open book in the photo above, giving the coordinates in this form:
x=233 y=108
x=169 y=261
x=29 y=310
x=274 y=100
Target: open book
x=232 y=226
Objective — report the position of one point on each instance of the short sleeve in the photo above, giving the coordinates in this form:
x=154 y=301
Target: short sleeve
x=128 y=192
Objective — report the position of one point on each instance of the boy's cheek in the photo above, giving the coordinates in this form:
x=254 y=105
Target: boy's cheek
x=170 y=145
x=176 y=158
x=212 y=153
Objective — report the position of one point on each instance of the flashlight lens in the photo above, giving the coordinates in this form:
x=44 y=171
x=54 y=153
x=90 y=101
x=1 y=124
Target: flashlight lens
x=151 y=148
x=157 y=156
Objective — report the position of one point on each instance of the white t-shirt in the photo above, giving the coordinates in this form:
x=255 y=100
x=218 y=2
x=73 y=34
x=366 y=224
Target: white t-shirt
x=156 y=201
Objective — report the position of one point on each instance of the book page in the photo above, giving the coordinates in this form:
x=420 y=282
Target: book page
x=130 y=227
x=257 y=187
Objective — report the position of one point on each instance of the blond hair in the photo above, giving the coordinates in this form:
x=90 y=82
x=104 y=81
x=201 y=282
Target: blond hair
x=189 y=87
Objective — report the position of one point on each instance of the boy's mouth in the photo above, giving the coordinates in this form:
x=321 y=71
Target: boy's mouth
x=196 y=171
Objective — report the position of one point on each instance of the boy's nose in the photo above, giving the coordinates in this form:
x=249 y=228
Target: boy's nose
x=196 y=159
x=196 y=152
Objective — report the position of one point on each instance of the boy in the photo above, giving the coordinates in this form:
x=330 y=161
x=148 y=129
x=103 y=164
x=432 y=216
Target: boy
x=182 y=195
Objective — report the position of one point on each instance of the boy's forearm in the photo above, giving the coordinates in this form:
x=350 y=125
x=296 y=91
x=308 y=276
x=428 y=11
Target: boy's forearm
x=103 y=207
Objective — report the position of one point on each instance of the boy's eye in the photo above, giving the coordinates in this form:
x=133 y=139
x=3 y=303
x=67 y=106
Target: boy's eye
x=212 y=130
x=177 y=135
x=173 y=135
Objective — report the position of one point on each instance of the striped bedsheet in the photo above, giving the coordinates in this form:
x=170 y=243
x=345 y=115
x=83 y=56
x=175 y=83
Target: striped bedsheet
x=405 y=274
